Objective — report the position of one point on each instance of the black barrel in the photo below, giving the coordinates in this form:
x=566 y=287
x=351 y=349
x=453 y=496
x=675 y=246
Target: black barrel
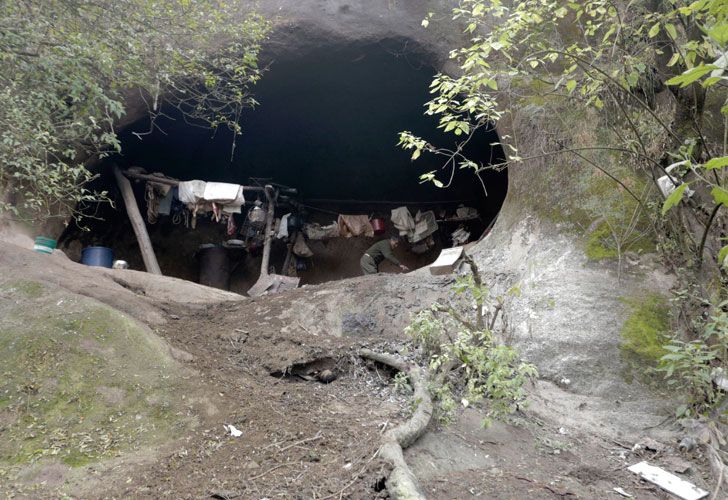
x=214 y=266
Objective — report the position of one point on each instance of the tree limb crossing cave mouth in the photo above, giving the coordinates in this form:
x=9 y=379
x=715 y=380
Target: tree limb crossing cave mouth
x=327 y=124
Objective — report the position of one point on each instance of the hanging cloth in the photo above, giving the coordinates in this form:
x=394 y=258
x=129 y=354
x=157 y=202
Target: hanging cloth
x=283 y=227
x=355 y=225
x=403 y=221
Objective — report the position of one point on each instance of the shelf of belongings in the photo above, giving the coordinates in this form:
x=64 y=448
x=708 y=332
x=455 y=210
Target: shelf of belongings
x=183 y=201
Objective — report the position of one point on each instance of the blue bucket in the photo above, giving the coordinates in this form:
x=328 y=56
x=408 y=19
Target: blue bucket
x=97 y=256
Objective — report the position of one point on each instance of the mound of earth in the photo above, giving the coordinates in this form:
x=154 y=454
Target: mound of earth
x=81 y=382
x=94 y=404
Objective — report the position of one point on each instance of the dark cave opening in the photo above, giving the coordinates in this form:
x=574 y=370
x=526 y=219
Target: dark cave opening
x=327 y=124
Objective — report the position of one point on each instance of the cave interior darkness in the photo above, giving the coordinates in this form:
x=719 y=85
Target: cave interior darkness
x=327 y=124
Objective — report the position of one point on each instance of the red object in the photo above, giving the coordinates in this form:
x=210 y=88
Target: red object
x=378 y=226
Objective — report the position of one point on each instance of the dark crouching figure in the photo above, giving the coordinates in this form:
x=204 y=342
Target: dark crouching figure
x=378 y=252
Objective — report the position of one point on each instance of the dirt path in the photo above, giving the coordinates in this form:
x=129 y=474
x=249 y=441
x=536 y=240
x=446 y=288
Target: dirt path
x=305 y=439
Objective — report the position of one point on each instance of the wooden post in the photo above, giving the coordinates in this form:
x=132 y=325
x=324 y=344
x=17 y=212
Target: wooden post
x=270 y=215
x=137 y=223
x=289 y=254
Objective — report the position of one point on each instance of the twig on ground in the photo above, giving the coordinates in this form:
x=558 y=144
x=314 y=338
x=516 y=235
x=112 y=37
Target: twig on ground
x=302 y=441
x=271 y=470
x=621 y=444
x=340 y=493
x=546 y=487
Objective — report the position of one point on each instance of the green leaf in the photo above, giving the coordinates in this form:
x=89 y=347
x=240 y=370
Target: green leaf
x=709 y=82
x=425 y=23
x=691 y=75
x=654 y=30
x=437 y=183
x=722 y=255
x=719 y=33
x=416 y=154
x=716 y=163
x=720 y=195
x=670 y=28
x=571 y=85
x=674 y=198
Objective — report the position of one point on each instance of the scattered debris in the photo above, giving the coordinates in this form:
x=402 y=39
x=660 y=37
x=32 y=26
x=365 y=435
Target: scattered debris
x=719 y=379
x=623 y=493
x=234 y=432
x=320 y=369
x=668 y=481
x=649 y=444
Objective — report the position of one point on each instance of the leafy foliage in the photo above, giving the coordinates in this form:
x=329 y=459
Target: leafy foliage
x=469 y=362
x=609 y=58
x=645 y=71
x=67 y=67
x=693 y=366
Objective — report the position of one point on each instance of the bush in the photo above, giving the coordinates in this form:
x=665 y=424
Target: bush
x=467 y=361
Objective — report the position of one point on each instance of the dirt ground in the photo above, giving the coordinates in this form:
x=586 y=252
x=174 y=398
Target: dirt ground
x=258 y=363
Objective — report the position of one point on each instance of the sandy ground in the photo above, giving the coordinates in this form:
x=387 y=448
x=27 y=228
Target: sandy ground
x=257 y=360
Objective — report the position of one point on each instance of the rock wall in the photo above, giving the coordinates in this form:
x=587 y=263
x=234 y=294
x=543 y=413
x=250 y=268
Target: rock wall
x=570 y=313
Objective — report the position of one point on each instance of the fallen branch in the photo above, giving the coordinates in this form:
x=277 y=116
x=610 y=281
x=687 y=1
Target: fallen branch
x=402 y=483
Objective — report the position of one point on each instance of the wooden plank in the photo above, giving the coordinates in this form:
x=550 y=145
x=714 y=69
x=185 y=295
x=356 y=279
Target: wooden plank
x=669 y=482
x=137 y=223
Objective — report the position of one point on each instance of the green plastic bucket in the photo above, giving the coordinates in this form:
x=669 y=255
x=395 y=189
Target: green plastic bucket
x=44 y=245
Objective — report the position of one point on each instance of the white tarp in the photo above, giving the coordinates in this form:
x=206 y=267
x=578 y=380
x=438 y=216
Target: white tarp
x=196 y=192
x=191 y=192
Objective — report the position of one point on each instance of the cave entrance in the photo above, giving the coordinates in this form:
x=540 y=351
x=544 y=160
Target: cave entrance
x=327 y=125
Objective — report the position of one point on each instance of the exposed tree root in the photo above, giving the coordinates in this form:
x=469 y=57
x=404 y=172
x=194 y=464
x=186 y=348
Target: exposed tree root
x=716 y=462
x=402 y=483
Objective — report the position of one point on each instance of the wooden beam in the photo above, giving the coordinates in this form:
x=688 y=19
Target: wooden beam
x=174 y=182
x=270 y=215
x=289 y=253
x=137 y=223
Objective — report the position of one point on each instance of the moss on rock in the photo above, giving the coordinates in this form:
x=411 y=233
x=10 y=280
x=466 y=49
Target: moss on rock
x=79 y=381
x=645 y=331
x=27 y=289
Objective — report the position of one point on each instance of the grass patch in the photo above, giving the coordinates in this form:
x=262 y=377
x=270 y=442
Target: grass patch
x=596 y=246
